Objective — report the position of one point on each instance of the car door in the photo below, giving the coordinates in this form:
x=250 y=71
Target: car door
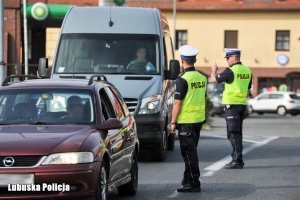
x=114 y=139
x=128 y=131
x=276 y=100
x=261 y=103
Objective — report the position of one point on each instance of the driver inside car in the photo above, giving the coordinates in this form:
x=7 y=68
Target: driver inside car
x=141 y=64
x=75 y=109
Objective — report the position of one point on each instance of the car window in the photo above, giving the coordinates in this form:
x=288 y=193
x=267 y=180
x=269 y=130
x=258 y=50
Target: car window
x=294 y=96
x=53 y=106
x=116 y=105
x=106 y=106
x=276 y=96
x=266 y=96
x=121 y=101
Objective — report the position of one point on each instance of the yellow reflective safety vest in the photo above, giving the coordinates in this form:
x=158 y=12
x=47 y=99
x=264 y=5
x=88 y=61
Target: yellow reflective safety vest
x=193 y=104
x=236 y=93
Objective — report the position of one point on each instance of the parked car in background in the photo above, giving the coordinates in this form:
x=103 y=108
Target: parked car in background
x=79 y=133
x=216 y=93
x=275 y=102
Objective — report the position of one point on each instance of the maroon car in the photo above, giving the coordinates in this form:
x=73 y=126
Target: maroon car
x=66 y=138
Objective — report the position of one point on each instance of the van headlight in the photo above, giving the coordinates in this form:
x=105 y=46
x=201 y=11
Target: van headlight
x=150 y=105
x=69 y=158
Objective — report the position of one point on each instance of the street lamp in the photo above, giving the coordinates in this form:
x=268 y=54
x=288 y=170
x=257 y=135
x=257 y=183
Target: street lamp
x=2 y=64
x=25 y=37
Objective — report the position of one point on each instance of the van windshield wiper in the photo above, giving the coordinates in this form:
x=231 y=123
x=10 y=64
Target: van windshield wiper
x=39 y=123
x=5 y=123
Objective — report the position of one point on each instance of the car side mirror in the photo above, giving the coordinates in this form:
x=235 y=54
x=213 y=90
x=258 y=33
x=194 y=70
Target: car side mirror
x=174 y=69
x=111 y=123
x=43 y=68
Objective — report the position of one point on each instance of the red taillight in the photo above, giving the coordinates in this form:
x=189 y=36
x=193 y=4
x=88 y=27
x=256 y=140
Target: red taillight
x=291 y=101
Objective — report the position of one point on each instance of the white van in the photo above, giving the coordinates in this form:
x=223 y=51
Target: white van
x=132 y=47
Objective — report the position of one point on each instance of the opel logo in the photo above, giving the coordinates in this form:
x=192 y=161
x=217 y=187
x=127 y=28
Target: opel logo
x=8 y=161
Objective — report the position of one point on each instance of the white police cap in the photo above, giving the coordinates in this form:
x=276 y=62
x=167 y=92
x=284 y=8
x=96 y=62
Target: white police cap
x=188 y=52
x=230 y=52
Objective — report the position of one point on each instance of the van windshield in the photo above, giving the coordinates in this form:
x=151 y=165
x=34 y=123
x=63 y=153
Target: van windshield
x=108 y=54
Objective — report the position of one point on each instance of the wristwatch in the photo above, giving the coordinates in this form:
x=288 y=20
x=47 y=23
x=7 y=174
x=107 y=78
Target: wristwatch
x=173 y=122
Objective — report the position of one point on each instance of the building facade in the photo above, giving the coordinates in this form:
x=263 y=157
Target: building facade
x=267 y=32
x=40 y=33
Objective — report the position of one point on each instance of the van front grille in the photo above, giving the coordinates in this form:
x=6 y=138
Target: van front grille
x=131 y=104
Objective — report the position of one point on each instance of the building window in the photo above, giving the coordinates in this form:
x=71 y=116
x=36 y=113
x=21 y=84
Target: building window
x=282 y=40
x=231 y=39
x=181 y=38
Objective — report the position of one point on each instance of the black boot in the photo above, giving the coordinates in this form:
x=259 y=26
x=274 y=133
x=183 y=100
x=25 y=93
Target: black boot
x=189 y=188
x=234 y=165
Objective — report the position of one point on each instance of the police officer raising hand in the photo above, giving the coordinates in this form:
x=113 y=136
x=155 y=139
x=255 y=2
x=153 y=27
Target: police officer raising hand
x=188 y=116
x=237 y=79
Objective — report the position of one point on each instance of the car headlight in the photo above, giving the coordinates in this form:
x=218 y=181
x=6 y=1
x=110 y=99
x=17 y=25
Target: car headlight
x=69 y=158
x=150 y=105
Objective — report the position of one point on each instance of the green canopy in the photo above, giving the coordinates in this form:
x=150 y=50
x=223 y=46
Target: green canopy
x=56 y=11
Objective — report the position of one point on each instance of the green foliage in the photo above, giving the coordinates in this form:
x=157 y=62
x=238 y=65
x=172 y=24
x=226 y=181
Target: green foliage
x=119 y=2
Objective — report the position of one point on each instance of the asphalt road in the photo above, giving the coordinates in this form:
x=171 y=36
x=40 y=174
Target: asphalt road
x=272 y=165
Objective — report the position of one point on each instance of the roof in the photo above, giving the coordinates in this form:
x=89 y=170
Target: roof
x=220 y=5
x=50 y=83
x=125 y=20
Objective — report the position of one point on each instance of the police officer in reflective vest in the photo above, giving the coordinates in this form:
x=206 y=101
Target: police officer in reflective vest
x=237 y=79
x=188 y=116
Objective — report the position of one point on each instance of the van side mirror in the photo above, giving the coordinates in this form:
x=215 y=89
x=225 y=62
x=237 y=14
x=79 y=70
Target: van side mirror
x=43 y=68
x=111 y=123
x=174 y=69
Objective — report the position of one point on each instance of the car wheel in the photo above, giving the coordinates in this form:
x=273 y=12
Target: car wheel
x=260 y=113
x=102 y=190
x=281 y=110
x=160 y=153
x=294 y=114
x=130 y=189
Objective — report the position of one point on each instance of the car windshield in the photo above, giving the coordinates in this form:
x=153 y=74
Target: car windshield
x=46 y=106
x=108 y=54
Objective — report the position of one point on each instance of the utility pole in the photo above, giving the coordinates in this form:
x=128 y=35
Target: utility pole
x=2 y=64
x=174 y=23
x=25 y=37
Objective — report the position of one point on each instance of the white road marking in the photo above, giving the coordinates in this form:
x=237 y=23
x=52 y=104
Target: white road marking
x=246 y=138
x=211 y=169
x=173 y=195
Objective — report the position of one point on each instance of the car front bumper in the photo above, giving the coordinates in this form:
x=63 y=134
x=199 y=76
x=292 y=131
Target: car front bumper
x=82 y=178
x=150 y=128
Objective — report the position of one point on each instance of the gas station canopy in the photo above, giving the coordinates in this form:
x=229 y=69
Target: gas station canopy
x=41 y=11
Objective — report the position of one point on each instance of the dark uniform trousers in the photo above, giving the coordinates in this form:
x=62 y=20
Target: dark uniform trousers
x=234 y=116
x=189 y=136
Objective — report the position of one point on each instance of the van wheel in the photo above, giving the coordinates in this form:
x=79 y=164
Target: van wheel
x=160 y=153
x=102 y=190
x=130 y=189
x=281 y=110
